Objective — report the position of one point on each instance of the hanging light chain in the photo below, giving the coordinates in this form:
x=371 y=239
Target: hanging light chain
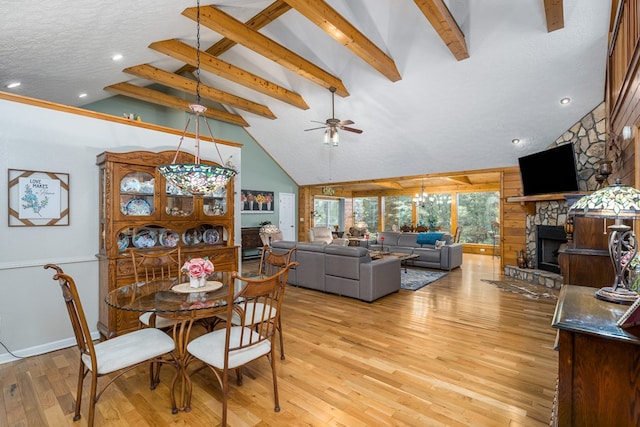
x=198 y=52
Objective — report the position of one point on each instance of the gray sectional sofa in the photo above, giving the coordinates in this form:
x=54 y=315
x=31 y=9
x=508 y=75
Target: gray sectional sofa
x=447 y=257
x=342 y=270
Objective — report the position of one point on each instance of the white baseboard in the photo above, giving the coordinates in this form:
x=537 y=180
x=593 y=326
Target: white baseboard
x=42 y=349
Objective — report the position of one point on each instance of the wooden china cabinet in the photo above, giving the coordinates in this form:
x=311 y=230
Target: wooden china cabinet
x=140 y=212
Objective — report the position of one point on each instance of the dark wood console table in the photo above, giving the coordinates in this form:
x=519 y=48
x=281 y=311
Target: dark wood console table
x=251 y=242
x=598 y=364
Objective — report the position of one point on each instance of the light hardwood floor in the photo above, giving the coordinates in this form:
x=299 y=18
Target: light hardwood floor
x=459 y=352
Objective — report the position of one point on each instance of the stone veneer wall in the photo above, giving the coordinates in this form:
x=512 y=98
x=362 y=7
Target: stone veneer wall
x=588 y=139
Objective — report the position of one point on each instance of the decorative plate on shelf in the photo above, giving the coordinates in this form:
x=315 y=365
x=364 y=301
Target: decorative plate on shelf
x=185 y=288
x=192 y=236
x=169 y=238
x=146 y=187
x=137 y=207
x=210 y=236
x=145 y=238
x=123 y=242
x=175 y=191
x=129 y=184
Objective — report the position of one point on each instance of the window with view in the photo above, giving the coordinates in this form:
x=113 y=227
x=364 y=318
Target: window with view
x=476 y=213
x=328 y=213
x=365 y=209
x=396 y=210
x=435 y=213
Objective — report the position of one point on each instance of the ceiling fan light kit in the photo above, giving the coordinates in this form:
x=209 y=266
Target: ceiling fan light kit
x=332 y=125
x=195 y=178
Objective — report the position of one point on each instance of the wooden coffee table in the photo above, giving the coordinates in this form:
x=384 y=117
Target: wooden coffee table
x=403 y=257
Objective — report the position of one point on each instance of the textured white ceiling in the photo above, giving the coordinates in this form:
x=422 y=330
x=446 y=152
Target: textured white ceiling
x=443 y=116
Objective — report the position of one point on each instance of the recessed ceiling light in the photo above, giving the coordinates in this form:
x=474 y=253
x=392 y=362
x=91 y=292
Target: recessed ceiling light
x=12 y=85
x=82 y=95
x=117 y=57
x=515 y=141
x=565 y=101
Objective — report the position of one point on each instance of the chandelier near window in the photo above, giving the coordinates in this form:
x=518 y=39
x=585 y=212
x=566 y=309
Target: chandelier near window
x=196 y=178
x=420 y=199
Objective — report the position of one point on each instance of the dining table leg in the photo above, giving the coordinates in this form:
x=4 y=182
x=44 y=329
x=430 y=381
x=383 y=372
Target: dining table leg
x=181 y=332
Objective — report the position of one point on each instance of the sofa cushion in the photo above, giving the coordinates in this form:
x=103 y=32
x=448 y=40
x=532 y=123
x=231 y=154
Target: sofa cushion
x=428 y=255
x=408 y=240
x=390 y=238
x=429 y=238
x=344 y=262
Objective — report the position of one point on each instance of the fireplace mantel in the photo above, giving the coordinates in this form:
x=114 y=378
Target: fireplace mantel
x=529 y=202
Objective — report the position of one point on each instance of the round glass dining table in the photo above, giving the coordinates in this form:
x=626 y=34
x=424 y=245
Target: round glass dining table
x=176 y=301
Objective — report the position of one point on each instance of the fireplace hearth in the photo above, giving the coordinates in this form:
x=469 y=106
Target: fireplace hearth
x=548 y=241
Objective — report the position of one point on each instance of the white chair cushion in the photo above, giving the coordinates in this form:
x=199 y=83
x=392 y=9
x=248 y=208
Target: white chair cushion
x=129 y=349
x=161 y=322
x=249 y=314
x=210 y=348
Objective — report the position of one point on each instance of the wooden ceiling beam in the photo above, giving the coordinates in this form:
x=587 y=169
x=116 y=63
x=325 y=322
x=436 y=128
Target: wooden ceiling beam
x=554 y=14
x=335 y=25
x=159 y=98
x=462 y=179
x=231 y=28
x=266 y=16
x=445 y=25
x=390 y=184
x=185 y=84
x=185 y=53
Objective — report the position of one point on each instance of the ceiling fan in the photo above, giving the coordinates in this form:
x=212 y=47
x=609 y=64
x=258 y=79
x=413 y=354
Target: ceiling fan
x=332 y=125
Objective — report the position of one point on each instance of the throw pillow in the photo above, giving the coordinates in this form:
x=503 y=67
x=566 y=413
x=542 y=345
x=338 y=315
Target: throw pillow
x=440 y=243
x=428 y=238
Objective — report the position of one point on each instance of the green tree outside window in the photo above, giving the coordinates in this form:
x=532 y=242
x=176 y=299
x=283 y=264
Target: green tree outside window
x=476 y=213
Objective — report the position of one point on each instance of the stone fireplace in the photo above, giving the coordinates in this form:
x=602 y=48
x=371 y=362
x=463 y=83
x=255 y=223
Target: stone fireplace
x=588 y=138
x=549 y=240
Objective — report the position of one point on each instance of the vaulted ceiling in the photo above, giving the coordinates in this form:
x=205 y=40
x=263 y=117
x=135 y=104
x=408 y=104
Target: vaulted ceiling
x=436 y=86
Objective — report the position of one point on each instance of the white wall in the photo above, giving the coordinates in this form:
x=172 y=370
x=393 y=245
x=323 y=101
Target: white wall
x=33 y=317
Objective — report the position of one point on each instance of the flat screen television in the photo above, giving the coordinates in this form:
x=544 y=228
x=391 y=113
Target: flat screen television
x=549 y=171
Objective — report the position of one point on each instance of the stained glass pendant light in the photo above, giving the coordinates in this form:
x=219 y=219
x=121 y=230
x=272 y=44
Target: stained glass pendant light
x=196 y=178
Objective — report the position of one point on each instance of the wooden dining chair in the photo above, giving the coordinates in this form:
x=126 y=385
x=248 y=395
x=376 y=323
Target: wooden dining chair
x=120 y=354
x=232 y=347
x=271 y=263
x=151 y=266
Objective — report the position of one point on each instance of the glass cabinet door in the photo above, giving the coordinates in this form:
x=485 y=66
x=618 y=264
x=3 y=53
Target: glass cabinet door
x=137 y=194
x=179 y=203
x=215 y=203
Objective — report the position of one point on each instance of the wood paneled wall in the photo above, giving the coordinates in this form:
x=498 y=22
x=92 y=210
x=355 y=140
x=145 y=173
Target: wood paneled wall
x=513 y=217
x=623 y=91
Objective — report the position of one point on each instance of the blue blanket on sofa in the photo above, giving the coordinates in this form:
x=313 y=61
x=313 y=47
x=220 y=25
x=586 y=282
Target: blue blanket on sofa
x=428 y=238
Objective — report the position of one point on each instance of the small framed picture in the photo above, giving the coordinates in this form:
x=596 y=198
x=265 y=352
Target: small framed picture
x=38 y=198
x=253 y=201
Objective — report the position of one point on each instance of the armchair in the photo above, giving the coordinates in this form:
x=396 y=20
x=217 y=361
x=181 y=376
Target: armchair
x=324 y=235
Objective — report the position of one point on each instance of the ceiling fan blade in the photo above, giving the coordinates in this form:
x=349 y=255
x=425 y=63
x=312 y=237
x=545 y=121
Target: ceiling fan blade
x=321 y=127
x=315 y=121
x=350 y=129
x=347 y=122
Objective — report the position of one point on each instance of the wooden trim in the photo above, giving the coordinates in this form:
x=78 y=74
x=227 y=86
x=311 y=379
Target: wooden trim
x=107 y=117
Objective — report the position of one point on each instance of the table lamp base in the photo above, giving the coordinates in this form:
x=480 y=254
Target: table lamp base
x=619 y=295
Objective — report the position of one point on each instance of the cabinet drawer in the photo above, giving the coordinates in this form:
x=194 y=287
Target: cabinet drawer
x=222 y=256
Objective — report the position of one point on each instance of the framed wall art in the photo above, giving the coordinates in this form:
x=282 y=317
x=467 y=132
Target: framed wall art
x=253 y=201
x=38 y=198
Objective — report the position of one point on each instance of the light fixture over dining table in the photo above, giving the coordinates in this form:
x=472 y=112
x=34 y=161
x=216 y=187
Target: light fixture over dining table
x=196 y=178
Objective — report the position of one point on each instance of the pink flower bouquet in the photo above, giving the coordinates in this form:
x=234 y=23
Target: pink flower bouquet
x=198 y=267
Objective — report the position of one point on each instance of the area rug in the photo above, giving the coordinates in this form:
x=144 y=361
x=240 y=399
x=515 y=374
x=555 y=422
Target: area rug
x=412 y=280
x=526 y=289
